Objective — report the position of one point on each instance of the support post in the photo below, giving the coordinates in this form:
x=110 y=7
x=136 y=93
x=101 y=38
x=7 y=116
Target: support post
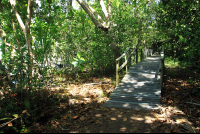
x=126 y=64
x=129 y=61
x=162 y=69
x=117 y=75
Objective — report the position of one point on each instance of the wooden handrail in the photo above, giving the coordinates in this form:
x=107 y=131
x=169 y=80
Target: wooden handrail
x=161 y=68
x=128 y=60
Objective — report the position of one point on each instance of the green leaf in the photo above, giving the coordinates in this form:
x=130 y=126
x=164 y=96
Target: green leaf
x=75 y=63
x=75 y=59
x=5 y=118
x=15 y=115
x=81 y=67
x=78 y=55
x=82 y=59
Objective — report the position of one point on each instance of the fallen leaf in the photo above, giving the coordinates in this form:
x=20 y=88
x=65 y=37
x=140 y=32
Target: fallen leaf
x=10 y=124
x=123 y=129
x=125 y=119
x=119 y=116
x=75 y=117
x=113 y=119
x=65 y=117
x=177 y=89
x=98 y=115
x=82 y=118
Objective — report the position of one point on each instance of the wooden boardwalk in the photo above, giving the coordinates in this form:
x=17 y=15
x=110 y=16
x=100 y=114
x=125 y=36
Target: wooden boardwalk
x=140 y=88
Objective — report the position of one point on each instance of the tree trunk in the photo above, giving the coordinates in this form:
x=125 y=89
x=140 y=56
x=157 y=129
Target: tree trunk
x=28 y=36
x=105 y=25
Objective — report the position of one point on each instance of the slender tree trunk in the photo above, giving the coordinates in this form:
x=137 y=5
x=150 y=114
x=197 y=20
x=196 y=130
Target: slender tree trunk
x=28 y=36
x=105 y=24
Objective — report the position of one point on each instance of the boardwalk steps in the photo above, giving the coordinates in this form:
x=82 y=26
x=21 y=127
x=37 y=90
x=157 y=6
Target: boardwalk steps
x=140 y=88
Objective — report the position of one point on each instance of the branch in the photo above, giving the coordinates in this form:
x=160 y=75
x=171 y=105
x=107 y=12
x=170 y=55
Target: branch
x=20 y=21
x=92 y=13
x=104 y=10
x=13 y=3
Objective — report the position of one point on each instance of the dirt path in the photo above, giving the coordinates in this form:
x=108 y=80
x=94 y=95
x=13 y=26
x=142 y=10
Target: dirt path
x=84 y=112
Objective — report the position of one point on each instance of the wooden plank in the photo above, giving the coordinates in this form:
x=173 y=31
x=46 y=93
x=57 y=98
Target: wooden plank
x=136 y=100
x=127 y=86
x=146 y=95
x=121 y=90
x=131 y=105
x=138 y=80
x=141 y=72
x=138 y=83
x=140 y=88
x=136 y=92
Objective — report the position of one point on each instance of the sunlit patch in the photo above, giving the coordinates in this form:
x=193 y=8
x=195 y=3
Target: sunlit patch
x=126 y=105
x=145 y=105
x=119 y=116
x=122 y=129
x=98 y=115
x=149 y=119
x=137 y=118
x=113 y=119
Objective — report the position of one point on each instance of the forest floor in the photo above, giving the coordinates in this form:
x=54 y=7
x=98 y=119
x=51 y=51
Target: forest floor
x=84 y=111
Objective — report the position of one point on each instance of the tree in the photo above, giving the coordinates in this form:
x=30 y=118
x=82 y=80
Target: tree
x=180 y=21
x=106 y=24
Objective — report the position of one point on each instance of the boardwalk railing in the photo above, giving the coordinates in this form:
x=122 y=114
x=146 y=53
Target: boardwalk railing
x=161 y=67
x=127 y=55
x=118 y=68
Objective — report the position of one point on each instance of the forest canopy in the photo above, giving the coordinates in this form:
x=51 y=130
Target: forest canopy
x=43 y=40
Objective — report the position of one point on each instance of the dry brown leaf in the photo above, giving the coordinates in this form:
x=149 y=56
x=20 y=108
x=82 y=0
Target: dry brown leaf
x=123 y=129
x=177 y=89
x=98 y=115
x=125 y=119
x=113 y=119
x=10 y=124
x=65 y=117
x=82 y=118
x=75 y=117
x=119 y=116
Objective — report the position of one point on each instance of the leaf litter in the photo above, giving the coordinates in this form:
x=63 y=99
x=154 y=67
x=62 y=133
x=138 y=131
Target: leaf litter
x=84 y=111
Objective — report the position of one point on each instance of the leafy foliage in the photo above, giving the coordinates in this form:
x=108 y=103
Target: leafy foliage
x=180 y=21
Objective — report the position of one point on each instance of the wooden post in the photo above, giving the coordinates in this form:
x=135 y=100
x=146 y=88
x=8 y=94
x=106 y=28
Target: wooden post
x=129 y=61
x=136 y=50
x=117 y=75
x=141 y=55
x=162 y=69
x=126 y=64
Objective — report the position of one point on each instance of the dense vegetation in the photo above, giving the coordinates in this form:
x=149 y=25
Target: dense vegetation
x=41 y=42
